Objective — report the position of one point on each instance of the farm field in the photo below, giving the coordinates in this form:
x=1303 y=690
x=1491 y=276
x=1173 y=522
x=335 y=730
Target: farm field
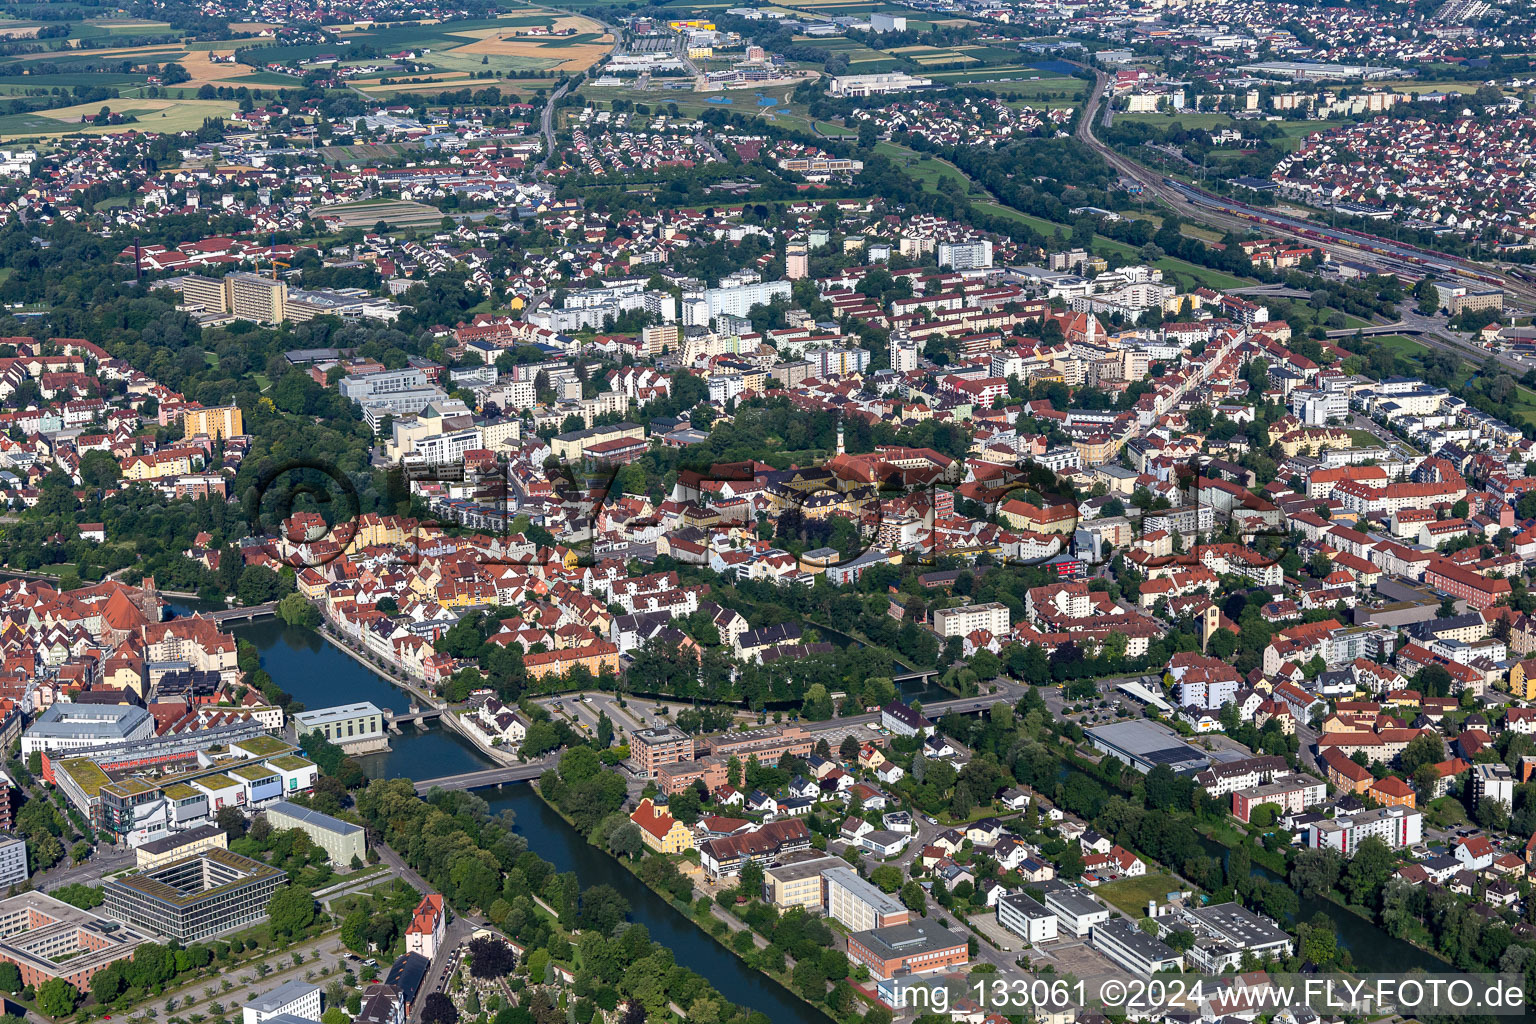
x=999 y=73
x=162 y=115
x=487 y=44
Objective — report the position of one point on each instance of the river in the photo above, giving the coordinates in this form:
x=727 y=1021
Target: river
x=319 y=675
x=1371 y=948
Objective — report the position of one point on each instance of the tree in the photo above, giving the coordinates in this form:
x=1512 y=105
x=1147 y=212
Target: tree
x=887 y=877
x=439 y=1009
x=490 y=958
x=913 y=897
x=10 y=977
x=848 y=750
x=295 y=610
x=1368 y=869
x=1424 y=749
x=57 y=998
x=291 y=910
x=334 y=1015
x=106 y=984
x=231 y=822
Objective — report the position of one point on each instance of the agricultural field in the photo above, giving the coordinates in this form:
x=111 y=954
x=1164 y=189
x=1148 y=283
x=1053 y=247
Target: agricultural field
x=431 y=85
x=163 y=115
x=474 y=46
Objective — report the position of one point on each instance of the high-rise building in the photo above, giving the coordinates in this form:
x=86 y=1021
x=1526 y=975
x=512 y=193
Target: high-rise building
x=206 y=292
x=255 y=298
x=218 y=422
x=797 y=262
x=903 y=355
x=975 y=254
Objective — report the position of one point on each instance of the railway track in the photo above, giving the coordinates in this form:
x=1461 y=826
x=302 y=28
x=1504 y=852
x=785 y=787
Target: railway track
x=1187 y=201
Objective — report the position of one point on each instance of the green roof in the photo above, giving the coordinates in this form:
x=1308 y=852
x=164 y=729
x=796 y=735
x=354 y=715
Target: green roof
x=291 y=763
x=253 y=772
x=149 y=882
x=217 y=782
x=180 y=791
x=86 y=774
x=129 y=787
x=263 y=746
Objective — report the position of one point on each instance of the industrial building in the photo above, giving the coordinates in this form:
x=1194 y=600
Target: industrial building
x=1145 y=745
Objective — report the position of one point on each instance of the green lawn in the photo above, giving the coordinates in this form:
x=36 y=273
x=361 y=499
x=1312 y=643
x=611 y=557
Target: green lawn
x=1130 y=895
x=1447 y=812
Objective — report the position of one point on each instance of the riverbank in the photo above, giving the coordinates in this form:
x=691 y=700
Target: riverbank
x=552 y=837
x=1380 y=948
x=731 y=924
x=448 y=719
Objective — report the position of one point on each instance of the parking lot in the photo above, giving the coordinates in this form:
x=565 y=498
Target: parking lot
x=1074 y=956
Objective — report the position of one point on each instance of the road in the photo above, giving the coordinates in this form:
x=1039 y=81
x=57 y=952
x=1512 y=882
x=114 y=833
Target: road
x=547 y=115
x=1213 y=211
x=547 y=125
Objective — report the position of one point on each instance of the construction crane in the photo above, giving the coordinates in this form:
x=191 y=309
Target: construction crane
x=272 y=256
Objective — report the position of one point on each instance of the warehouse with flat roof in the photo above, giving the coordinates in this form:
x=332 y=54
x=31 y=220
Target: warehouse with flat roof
x=1145 y=745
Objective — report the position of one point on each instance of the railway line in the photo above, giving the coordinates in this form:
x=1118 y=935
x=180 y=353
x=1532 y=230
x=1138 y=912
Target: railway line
x=1217 y=211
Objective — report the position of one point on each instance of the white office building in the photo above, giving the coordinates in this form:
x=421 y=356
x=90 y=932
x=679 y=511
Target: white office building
x=1031 y=921
x=1132 y=948
x=65 y=726
x=875 y=85
x=298 y=998
x=1077 y=911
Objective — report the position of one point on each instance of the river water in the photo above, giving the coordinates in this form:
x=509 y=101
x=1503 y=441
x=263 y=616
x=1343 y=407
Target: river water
x=1371 y=948
x=319 y=675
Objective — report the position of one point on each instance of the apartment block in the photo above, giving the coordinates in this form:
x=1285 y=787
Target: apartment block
x=992 y=616
x=221 y=421
x=1396 y=826
x=1288 y=793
